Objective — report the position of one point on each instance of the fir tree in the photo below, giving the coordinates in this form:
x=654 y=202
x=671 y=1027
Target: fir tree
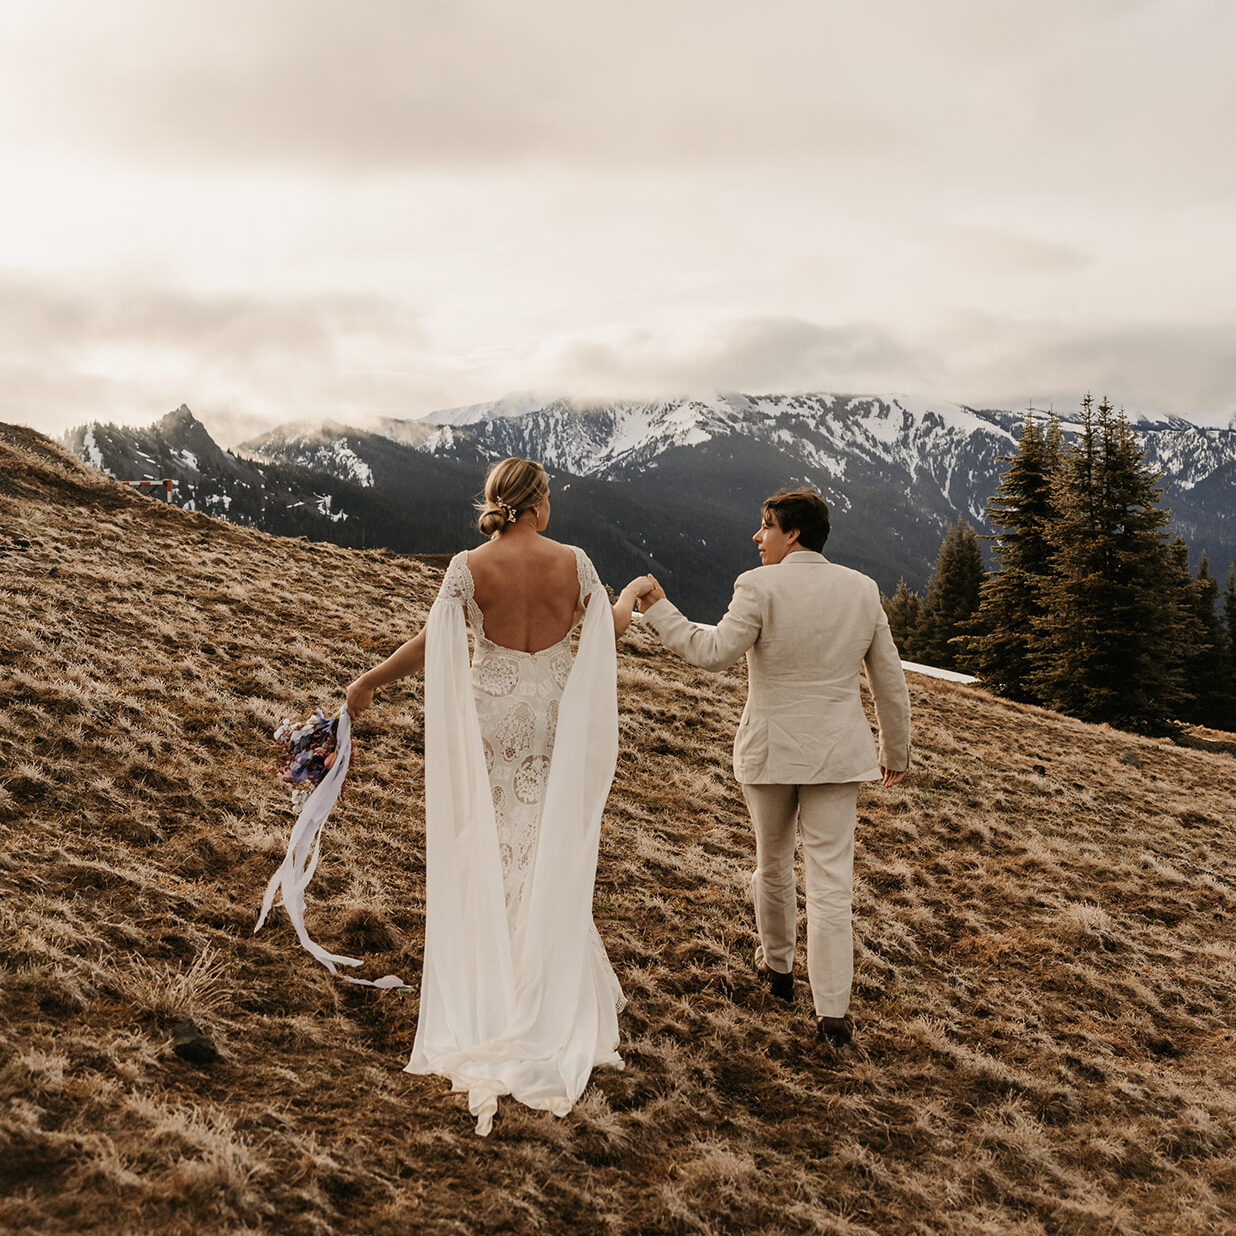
x=1229 y=613
x=1000 y=646
x=1205 y=660
x=901 y=609
x=951 y=600
x=1110 y=629
x=1190 y=632
x=1227 y=651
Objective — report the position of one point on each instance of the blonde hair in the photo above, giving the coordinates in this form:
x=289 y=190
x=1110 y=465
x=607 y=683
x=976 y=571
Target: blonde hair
x=512 y=487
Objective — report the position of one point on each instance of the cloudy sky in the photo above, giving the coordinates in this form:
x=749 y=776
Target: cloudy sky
x=280 y=210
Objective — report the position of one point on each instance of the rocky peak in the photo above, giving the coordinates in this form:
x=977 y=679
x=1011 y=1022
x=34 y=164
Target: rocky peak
x=181 y=431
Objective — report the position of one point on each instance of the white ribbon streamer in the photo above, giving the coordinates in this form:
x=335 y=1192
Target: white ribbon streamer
x=304 y=849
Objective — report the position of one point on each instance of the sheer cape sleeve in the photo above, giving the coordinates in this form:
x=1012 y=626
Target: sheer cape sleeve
x=528 y=1013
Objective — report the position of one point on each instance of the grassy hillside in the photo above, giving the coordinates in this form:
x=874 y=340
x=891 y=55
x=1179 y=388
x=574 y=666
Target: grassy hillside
x=1045 y=926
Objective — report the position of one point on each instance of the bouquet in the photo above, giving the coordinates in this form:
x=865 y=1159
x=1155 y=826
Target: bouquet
x=317 y=755
x=308 y=753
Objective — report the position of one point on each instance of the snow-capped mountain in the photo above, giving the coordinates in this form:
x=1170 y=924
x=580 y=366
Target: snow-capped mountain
x=671 y=485
x=318 y=488
x=939 y=447
x=896 y=471
x=178 y=448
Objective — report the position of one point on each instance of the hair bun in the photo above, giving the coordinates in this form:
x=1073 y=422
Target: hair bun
x=512 y=487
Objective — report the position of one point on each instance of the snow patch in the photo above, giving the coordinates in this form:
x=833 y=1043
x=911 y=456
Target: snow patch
x=930 y=671
x=324 y=501
x=349 y=463
x=884 y=423
x=507 y=406
x=90 y=450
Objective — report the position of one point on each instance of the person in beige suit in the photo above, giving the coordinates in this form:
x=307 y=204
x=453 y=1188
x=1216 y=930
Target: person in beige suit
x=808 y=627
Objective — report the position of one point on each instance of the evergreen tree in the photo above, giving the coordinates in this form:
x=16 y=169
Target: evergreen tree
x=1229 y=614
x=1000 y=645
x=901 y=609
x=1205 y=660
x=952 y=599
x=1194 y=651
x=1109 y=647
x=1227 y=649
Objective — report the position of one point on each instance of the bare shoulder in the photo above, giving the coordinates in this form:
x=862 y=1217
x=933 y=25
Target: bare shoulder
x=552 y=556
x=504 y=557
x=566 y=553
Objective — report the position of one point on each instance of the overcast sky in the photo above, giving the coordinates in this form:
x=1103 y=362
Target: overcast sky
x=294 y=209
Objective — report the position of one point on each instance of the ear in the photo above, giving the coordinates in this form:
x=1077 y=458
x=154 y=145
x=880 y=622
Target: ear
x=792 y=535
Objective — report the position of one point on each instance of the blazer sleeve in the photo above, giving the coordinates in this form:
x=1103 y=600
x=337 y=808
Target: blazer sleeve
x=892 y=698
x=711 y=648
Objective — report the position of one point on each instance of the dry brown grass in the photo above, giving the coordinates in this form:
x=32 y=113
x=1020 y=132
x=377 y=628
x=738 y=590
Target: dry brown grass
x=1044 y=968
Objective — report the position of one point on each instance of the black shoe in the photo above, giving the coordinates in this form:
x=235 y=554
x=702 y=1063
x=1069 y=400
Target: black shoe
x=781 y=985
x=835 y=1030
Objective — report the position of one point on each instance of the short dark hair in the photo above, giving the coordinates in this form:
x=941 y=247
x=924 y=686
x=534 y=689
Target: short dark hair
x=801 y=510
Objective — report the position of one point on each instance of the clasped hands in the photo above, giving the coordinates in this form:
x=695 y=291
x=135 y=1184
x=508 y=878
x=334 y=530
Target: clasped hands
x=647 y=592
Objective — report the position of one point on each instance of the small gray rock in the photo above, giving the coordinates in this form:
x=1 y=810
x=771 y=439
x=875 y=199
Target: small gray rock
x=190 y=1043
x=1131 y=758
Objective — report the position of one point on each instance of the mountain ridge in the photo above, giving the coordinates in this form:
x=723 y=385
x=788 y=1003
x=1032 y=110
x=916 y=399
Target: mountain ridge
x=897 y=473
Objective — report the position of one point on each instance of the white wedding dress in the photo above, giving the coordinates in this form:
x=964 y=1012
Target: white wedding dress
x=517 y=994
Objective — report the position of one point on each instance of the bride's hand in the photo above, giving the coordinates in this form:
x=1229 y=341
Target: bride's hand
x=359 y=697
x=640 y=585
x=651 y=594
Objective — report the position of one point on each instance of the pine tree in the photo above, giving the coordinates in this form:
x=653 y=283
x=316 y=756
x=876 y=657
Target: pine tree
x=1227 y=657
x=1109 y=647
x=1000 y=646
x=902 y=611
x=1205 y=654
x=952 y=599
x=1229 y=609
x=1190 y=630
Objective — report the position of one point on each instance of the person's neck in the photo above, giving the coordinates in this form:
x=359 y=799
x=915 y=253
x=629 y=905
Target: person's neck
x=522 y=528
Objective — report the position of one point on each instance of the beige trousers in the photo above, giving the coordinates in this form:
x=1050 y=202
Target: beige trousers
x=825 y=814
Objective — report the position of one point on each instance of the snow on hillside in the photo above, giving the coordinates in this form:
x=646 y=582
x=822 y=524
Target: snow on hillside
x=594 y=439
x=508 y=405
x=90 y=450
x=930 y=671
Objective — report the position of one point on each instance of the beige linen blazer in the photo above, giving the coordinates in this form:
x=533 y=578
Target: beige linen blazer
x=807 y=626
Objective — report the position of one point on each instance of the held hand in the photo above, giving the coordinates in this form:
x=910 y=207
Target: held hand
x=891 y=776
x=359 y=697
x=638 y=586
x=650 y=597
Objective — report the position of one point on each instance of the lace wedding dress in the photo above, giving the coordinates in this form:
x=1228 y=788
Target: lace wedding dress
x=517 y=993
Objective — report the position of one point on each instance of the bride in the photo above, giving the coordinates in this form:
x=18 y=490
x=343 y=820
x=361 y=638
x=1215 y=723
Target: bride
x=517 y=994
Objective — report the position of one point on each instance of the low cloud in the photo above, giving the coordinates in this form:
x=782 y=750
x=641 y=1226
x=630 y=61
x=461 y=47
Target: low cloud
x=752 y=355
x=58 y=317
x=979 y=360
x=73 y=353
x=1174 y=369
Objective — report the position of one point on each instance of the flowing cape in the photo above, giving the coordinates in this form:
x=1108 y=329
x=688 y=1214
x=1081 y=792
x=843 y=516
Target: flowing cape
x=526 y=1012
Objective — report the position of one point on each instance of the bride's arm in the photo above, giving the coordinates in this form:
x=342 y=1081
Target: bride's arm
x=407 y=659
x=625 y=604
